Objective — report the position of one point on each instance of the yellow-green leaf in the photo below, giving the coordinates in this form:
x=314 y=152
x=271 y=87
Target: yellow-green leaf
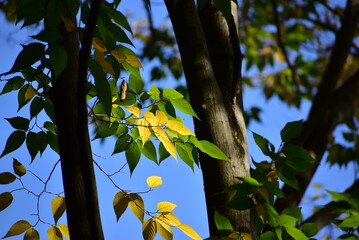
x=134 y=110
x=188 y=230
x=133 y=61
x=58 y=207
x=178 y=127
x=119 y=55
x=171 y=132
x=137 y=205
x=166 y=206
x=107 y=67
x=53 y=233
x=18 y=228
x=149 y=229
x=19 y=169
x=161 y=117
x=154 y=181
x=98 y=44
x=64 y=230
x=164 y=229
x=30 y=93
x=143 y=130
x=5 y=200
x=120 y=203
x=169 y=218
x=32 y=234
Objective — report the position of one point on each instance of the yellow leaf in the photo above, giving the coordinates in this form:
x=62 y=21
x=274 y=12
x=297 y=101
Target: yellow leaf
x=136 y=205
x=98 y=44
x=179 y=127
x=32 y=234
x=19 y=169
x=5 y=200
x=107 y=67
x=166 y=206
x=150 y=117
x=18 y=228
x=149 y=229
x=261 y=212
x=266 y=51
x=53 y=233
x=64 y=230
x=30 y=93
x=164 y=229
x=166 y=140
x=154 y=181
x=123 y=90
x=168 y=218
x=114 y=104
x=246 y=236
x=120 y=203
x=119 y=55
x=280 y=57
x=99 y=56
x=133 y=61
x=161 y=117
x=188 y=230
x=58 y=207
x=143 y=130
x=134 y=110
x=69 y=25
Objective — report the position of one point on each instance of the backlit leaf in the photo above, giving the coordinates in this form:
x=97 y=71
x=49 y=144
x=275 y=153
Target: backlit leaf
x=296 y=234
x=58 y=207
x=136 y=83
x=166 y=206
x=137 y=205
x=120 y=203
x=53 y=233
x=310 y=229
x=212 y=150
x=133 y=61
x=171 y=94
x=29 y=93
x=155 y=93
x=149 y=229
x=133 y=155
x=222 y=222
x=64 y=230
x=263 y=143
x=161 y=117
x=18 y=228
x=189 y=231
x=122 y=143
x=134 y=110
x=154 y=181
x=98 y=44
x=5 y=200
x=7 y=177
x=166 y=140
x=164 y=229
x=169 y=218
x=119 y=55
x=149 y=150
x=32 y=234
x=178 y=127
x=19 y=169
x=143 y=129
x=184 y=106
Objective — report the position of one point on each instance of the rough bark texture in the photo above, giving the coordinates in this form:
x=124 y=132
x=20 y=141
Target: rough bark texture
x=210 y=62
x=69 y=100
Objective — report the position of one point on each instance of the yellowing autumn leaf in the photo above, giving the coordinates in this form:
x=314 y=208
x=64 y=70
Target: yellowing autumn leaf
x=58 y=207
x=99 y=45
x=188 y=230
x=161 y=117
x=261 y=212
x=178 y=127
x=69 y=25
x=53 y=233
x=166 y=141
x=120 y=203
x=32 y=234
x=143 y=130
x=150 y=117
x=137 y=205
x=18 y=228
x=164 y=229
x=119 y=55
x=107 y=67
x=246 y=236
x=171 y=132
x=64 y=230
x=133 y=61
x=134 y=110
x=30 y=93
x=166 y=206
x=280 y=57
x=168 y=218
x=154 y=181
x=149 y=229
x=99 y=56
x=266 y=51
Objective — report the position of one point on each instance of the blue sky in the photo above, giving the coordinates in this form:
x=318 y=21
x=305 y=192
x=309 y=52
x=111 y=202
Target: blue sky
x=181 y=186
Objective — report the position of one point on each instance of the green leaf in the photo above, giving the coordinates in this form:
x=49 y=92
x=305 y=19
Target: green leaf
x=155 y=93
x=119 y=34
x=222 y=222
x=105 y=130
x=53 y=141
x=288 y=177
x=148 y=150
x=163 y=152
x=298 y=158
x=291 y=130
x=136 y=83
x=171 y=94
x=32 y=11
x=287 y=221
x=350 y=221
x=49 y=109
x=7 y=177
x=310 y=229
x=184 y=150
x=58 y=58
x=29 y=55
x=167 y=107
x=36 y=107
x=19 y=123
x=32 y=234
x=42 y=144
x=122 y=143
x=119 y=18
x=19 y=169
x=252 y=181
x=15 y=140
x=32 y=144
x=54 y=11
x=18 y=228
x=5 y=200
x=212 y=150
x=102 y=86
x=296 y=234
x=266 y=147
x=133 y=155
x=13 y=84
x=184 y=106
x=268 y=236
x=58 y=207
x=49 y=35
x=294 y=212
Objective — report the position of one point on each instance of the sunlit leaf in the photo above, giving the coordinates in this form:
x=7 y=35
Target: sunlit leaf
x=171 y=94
x=5 y=200
x=134 y=110
x=169 y=218
x=178 y=127
x=18 y=228
x=143 y=129
x=19 y=169
x=296 y=234
x=166 y=140
x=32 y=234
x=222 y=222
x=119 y=55
x=137 y=205
x=64 y=230
x=161 y=117
x=212 y=150
x=154 y=181
x=184 y=106
x=120 y=203
x=164 y=229
x=133 y=61
x=166 y=206
x=53 y=233
x=58 y=207
x=98 y=44
x=149 y=229
x=155 y=93
x=189 y=231
x=29 y=93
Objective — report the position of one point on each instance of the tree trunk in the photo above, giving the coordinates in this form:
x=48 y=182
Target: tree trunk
x=211 y=62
